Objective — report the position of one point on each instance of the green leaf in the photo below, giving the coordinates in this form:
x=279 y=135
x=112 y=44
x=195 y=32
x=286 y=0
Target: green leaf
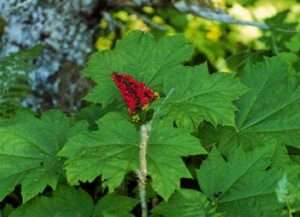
x=244 y=184
x=140 y=55
x=69 y=202
x=270 y=108
x=186 y=203
x=109 y=151
x=114 y=149
x=293 y=44
x=28 y=148
x=65 y=202
x=113 y=205
x=200 y=96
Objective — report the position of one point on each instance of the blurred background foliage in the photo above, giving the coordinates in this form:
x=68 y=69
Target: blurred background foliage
x=224 y=45
x=225 y=34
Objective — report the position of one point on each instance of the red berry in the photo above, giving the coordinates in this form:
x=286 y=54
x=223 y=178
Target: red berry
x=135 y=94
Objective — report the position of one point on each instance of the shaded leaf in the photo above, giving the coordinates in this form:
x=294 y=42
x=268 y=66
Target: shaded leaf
x=270 y=107
x=65 y=202
x=244 y=184
x=28 y=148
x=186 y=203
x=113 y=205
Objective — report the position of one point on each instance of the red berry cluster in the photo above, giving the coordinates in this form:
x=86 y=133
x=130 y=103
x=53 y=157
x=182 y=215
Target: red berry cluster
x=135 y=94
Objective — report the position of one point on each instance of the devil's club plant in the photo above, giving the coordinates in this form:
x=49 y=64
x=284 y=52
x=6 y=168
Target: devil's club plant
x=163 y=127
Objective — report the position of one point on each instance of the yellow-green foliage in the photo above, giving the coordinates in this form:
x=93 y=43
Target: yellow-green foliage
x=213 y=40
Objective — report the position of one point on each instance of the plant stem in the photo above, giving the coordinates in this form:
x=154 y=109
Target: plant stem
x=142 y=173
x=291 y=211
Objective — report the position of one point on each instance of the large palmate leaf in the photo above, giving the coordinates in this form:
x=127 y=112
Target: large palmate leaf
x=140 y=55
x=186 y=203
x=28 y=148
x=69 y=202
x=113 y=205
x=114 y=149
x=270 y=109
x=244 y=185
x=200 y=96
x=65 y=202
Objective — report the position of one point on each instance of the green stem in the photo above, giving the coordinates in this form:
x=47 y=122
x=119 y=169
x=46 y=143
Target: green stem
x=290 y=209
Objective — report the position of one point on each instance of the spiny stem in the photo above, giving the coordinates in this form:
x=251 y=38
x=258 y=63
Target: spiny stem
x=142 y=173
